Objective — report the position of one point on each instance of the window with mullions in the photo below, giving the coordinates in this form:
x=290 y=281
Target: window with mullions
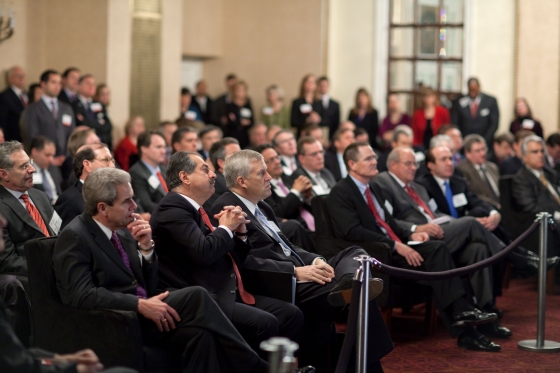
x=425 y=49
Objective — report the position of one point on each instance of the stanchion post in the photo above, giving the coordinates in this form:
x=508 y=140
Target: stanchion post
x=281 y=354
x=540 y=344
x=363 y=274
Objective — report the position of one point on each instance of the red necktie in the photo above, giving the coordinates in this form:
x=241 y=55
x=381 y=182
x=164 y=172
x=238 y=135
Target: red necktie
x=35 y=215
x=474 y=109
x=381 y=222
x=23 y=100
x=419 y=201
x=162 y=181
x=246 y=297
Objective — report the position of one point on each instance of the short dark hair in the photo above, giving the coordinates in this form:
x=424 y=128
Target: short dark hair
x=303 y=141
x=185 y=91
x=84 y=77
x=145 y=139
x=45 y=76
x=69 y=70
x=339 y=132
x=473 y=80
x=521 y=134
x=39 y=143
x=218 y=150
x=231 y=76
x=86 y=154
x=180 y=161
x=443 y=129
x=553 y=140
x=351 y=152
x=430 y=157
x=360 y=131
x=207 y=129
x=179 y=133
x=310 y=127
x=506 y=136
x=262 y=147
x=322 y=78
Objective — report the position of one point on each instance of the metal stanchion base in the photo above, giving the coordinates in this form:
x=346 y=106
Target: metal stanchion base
x=531 y=345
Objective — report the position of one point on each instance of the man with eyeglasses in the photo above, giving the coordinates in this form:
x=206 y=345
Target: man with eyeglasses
x=88 y=158
x=311 y=157
x=468 y=241
x=285 y=144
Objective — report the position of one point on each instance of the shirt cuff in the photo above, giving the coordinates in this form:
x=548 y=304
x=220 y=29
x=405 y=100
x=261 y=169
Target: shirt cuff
x=149 y=256
x=318 y=258
x=493 y=212
x=297 y=193
x=227 y=230
x=413 y=228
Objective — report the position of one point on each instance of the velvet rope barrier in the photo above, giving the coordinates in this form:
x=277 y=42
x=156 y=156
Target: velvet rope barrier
x=444 y=275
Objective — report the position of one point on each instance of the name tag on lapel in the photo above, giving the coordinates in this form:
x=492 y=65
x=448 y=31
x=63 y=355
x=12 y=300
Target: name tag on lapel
x=484 y=112
x=37 y=178
x=153 y=181
x=66 y=120
x=432 y=205
x=459 y=200
x=55 y=223
x=274 y=226
x=389 y=207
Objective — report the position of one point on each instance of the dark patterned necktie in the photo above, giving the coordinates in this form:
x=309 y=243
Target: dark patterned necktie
x=140 y=291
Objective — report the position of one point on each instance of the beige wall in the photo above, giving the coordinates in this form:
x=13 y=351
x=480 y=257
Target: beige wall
x=13 y=51
x=538 y=57
x=203 y=28
x=171 y=38
x=267 y=42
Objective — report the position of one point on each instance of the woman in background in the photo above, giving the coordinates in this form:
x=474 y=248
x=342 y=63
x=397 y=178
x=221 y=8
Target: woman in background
x=127 y=147
x=239 y=114
x=427 y=120
x=306 y=109
x=35 y=92
x=394 y=117
x=275 y=112
x=365 y=116
x=524 y=119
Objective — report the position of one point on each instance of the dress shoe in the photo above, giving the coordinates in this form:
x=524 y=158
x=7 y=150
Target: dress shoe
x=341 y=294
x=307 y=369
x=478 y=343
x=473 y=318
x=497 y=311
x=528 y=265
x=494 y=330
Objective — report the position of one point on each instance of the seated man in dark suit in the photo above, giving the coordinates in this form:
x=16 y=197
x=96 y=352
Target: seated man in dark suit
x=88 y=159
x=209 y=135
x=502 y=148
x=402 y=137
x=468 y=241
x=359 y=216
x=148 y=182
x=333 y=157
x=513 y=164
x=320 y=282
x=13 y=100
x=312 y=165
x=185 y=139
x=219 y=151
x=285 y=144
x=105 y=259
x=47 y=177
x=192 y=252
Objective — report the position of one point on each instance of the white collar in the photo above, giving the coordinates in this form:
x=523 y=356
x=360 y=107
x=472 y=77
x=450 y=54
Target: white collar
x=105 y=230
x=16 y=90
x=191 y=201
x=250 y=205
x=537 y=173
x=314 y=174
x=397 y=179
x=440 y=181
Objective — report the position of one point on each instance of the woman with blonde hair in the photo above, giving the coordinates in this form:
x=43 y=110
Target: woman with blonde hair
x=127 y=147
x=275 y=112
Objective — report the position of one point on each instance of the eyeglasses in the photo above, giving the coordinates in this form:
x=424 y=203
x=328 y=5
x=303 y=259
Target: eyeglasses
x=272 y=160
x=410 y=164
x=314 y=154
x=106 y=160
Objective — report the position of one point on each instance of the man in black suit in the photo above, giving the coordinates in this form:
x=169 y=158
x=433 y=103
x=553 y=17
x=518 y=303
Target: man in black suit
x=184 y=139
x=88 y=159
x=90 y=113
x=70 y=82
x=218 y=113
x=192 y=251
x=50 y=117
x=13 y=100
x=333 y=157
x=203 y=102
x=358 y=215
x=312 y=165
x=476 y=113
x=513 y=164
x=147 y=174
x=331 y=108
x=219 y=151
x=47 y=177
x=105 y=259
x=285 y=144
x=502 y=149
x=209 y=135
x=319 y=280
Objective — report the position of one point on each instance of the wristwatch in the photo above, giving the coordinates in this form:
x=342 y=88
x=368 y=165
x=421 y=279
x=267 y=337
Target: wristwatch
x=146 y=250
x=240 y=234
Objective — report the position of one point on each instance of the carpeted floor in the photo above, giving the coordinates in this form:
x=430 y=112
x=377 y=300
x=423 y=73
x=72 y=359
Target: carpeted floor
x=416 y=352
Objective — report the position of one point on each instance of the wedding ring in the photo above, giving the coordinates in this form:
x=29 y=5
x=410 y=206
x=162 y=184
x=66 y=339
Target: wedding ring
x=163 y=320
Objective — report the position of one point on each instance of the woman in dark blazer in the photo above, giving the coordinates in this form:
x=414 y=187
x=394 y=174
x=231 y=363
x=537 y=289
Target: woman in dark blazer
x=307 y=109
x=364 y=115
x=239 y=114
x=524 y=119
x=427 y=120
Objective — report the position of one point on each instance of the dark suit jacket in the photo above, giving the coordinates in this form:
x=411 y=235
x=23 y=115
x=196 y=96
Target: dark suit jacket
x=91 y=274
x=475 y=206
x=219 y=189
x=206 y=115
x=370 y=122
x=298 y=118
x=475 y=182
x=146 y=194
x=510 y=166
x=70 y=203
x=100 y=121
x=530 y=195
x=266 y=253
x=484 y=124
x=189 y=254
x=62 y=96
x=331 y=164
x=21 y=228
x=325 y=174
x=37 y=120
x=332 y=116
x=285 y=207
x=11 y=108
x=234 y=128
x=57 y=179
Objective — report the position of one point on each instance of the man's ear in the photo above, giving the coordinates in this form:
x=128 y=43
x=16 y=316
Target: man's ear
x=221 y=163
x=4 y=175
x=102 y=208
x=241 y=182
x=184 y=177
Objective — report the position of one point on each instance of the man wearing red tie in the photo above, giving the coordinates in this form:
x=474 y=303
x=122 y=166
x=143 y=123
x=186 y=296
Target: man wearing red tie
x=209 y=251
x=147 y=175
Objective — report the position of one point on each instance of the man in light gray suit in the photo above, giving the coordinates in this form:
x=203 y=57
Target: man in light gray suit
x=50 y=117
x=311 y=157
x=468 y=241
x=476 y=113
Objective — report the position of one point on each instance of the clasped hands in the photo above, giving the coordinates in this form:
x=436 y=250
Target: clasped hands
x=234 y=218
x=319 y=272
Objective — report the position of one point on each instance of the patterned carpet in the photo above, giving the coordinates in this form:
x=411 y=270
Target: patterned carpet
x=415 y=352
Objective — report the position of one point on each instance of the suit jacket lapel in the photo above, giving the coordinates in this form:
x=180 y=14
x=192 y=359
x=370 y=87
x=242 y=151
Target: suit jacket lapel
x=130 y=247
x=405 y=195
x=10 y=201
x=42 y=210
x=250 y=215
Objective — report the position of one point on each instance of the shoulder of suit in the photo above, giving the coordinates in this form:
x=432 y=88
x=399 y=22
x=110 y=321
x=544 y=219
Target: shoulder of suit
x=38 y=194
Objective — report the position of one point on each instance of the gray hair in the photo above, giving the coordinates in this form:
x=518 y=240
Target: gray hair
x=439 y=139
x=472 y=139
x=6 y=150
x=528 y=139
x=180 y=161
x=101 y=186
x=11 y=71
x=402 y=129
x=395 y=155
x=239 y=164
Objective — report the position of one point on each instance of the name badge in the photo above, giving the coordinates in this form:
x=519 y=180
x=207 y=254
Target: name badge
x=389 y=207
x=190 y=115
x=66 y=120
x=432 y=205
x=459 y=200
x=37 y=178
x=528 y=124
x=305 y=108
x=153 y=181
x=464 y=101
x=274 y=226
x=267 y=111
x=96 y=107
x=484 y=112
x=245 y=113
x=55 y=223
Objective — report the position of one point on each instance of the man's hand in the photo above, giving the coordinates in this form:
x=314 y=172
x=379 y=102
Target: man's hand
x=420 y=236
x=87 y=361
x=232 y=217
x=432 y=229
x=159 y=312
x=412 y=257
x=302 y=183
x=490 y=222
x=316 y=272
x=140 y=230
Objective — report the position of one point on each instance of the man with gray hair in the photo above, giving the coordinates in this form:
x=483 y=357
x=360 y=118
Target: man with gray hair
x=105 y=259
x=13 y=100
x=322 y=284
